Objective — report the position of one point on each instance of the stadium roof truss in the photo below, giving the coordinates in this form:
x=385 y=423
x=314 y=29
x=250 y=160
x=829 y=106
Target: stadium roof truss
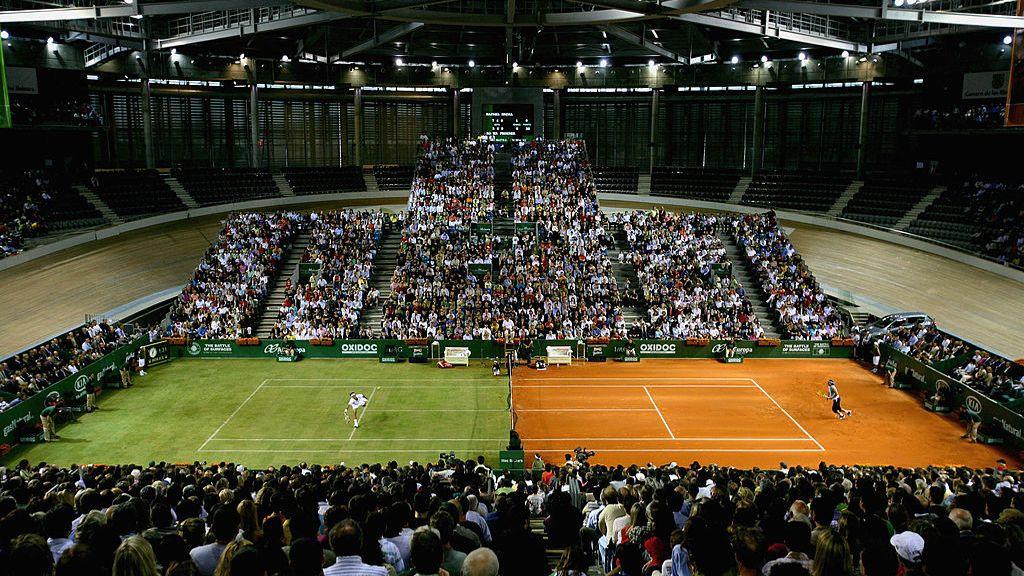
x=671 y=31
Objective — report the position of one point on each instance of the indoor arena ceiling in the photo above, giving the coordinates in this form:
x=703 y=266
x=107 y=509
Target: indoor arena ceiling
x=502 y=32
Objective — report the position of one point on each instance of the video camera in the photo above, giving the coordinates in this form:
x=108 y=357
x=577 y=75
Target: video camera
x=447 y=459
x=582 y=454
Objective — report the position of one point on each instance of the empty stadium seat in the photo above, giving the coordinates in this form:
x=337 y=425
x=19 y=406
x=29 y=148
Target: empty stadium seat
x=707 y=184
x=799 y=191
x=136 y=193
x=326 y=180
x=622 y=180
x=209 y=186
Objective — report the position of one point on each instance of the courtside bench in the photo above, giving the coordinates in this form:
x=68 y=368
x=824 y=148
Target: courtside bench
x=559 y=355
x=457 y=355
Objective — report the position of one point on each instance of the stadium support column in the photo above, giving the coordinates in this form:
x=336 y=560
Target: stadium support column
x=147 y=121
x=758 y=136
x=654 y=130
x=357 y=138
x=556 y=102
x=254 y=117
x=862 y=135
x=456 y=124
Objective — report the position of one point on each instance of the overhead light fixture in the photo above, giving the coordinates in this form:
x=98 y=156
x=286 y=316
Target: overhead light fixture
x=898 y=3
x=579 y=64
x=129 y=2
x=515 y=64
x=174 y=51
x=846 y=53
x=604 y=62
x=764 y=59
x=801 y=56
x=49 y=39
x=654 y=33
x=1007 y=39
x=735 y=60
x=433 y=65
x=241 y=56
x=650 y=64
x=472 y=63
x=285 y=58
x=398 y=61
x=4 y=34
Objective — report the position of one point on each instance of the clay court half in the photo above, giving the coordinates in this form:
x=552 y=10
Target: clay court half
x=757 y=413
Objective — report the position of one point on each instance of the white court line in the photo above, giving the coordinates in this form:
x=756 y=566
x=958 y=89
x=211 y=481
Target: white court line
x=673 y=439
x=660 y=415
x=363 y=439
x=365 y=408
x=658 y=386
x=595 y=439
x=700 y=378
x=585 y=410
x=223 y=424
x=385 y=378
x=341 y=451
x=788 y=415
x=400 y=386
x=599 y=450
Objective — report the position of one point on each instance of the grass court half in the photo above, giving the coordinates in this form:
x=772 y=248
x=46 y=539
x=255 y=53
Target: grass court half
x=262 y=413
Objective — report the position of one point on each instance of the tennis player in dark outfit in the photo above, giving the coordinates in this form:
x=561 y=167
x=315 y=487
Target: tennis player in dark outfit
x=837 y=401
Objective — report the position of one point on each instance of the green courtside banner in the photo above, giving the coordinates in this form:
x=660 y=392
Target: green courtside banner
x=72 y=389
x=912 y=371
x=5 y=103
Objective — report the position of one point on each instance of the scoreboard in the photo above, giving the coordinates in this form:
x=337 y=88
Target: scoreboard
x=507 y=122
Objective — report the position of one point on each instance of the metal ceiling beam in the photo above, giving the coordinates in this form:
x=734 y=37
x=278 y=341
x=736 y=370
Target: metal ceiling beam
x=770 y=31
x=125 y=10
x=637 y=40
x=388 y=35
x=310 y=19
x=102 y=39
x=887 y=13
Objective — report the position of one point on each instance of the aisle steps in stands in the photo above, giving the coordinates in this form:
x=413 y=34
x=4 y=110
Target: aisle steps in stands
x=626 y=278
x=920 y=207
x=741 y=271
x=182 y=194
x=843 y=200
x=383 y=270
x=739 y=190
x=371 y=182
x=98 y=204
x=283 y=186
x=289 y=269
x=643 y=184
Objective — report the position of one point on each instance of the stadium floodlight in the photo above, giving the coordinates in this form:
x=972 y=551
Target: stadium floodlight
x=1007 y=39
x=735 y=60
x=285 y=58
x=651 y=64
x=433 y=65
x=801 y=56
x=764 y=59
x=579 y=64
x=898 y=3
x=49 y=39
x=846 y=53
x=4 y=34
x=174 y=51
x=472 y=63
x=398 y=61
x=241 y=56
x=515 y=64
x=604 y=62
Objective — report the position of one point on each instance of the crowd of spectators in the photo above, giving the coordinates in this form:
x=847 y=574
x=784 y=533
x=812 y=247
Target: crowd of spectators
x=344 y=244
x=996 y=377
x=803 y=310
x=32 y=371
x=927 y=344
x=24 y=196
x=434 y=293
x=556 y=280
x=225 y=295
x=66 y=110
x=462 y=518
x=997 y=208
x=676 y=256
x=980 y=116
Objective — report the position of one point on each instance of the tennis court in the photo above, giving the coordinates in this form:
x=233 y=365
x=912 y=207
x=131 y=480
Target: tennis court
x=757 y=413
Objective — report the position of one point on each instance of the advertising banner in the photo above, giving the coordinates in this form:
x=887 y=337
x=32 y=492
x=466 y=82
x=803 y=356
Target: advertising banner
x=981 y=85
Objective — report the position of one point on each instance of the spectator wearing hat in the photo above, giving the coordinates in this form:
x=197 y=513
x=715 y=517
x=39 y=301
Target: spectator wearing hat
x=909 y=547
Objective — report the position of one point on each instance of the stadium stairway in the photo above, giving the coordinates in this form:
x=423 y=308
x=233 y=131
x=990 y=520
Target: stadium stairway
x=98 y=204
x=626 y=278
x=742 y=273
x=843 y=200
x=643 y=184
x=180 y=191
x=371 y=182
x=283 y=186
x=919 y=208
x=289 y=269
x=383 y=270
x=739 y=190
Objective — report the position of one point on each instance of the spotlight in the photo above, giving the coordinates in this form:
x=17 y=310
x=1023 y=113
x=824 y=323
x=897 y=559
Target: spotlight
x=604 y=62
x=398 y=62
x=433 y=65
x=472 y=63
x=515 y=64
x=49 y=40
x=579 y=64
x=735 y=60
x=846 y=53
x=1007 y=40
x=4 y=34
x=241 y=56
x=801 y=56
x=764 y=59
x=650 y=63
x=129 y=2
x=174 y=51
x=285 y=58
x=898 y=3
